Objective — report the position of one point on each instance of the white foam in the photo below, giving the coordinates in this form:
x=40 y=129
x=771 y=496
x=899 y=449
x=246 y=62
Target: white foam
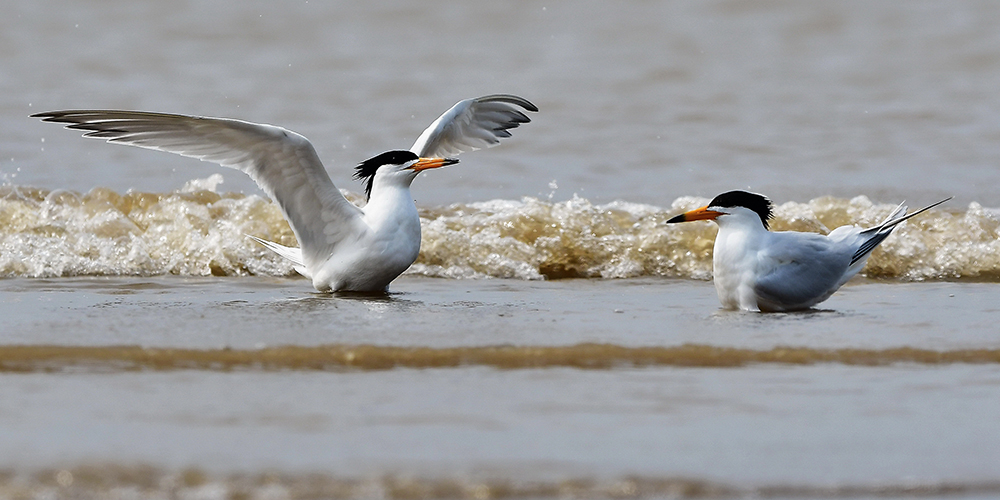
x=198 y=232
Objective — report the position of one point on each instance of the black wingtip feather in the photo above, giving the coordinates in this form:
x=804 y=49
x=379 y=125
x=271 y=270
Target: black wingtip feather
x=510 y=99
x=869 y=245
x=519 y=117
x=47 y=115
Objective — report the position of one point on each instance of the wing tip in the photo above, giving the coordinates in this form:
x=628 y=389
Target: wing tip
x=510 y=99
x=49 y=116
x=882 y=231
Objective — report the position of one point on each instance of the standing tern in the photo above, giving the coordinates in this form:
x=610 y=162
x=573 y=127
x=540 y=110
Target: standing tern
x=343 y=247
x=758 y=270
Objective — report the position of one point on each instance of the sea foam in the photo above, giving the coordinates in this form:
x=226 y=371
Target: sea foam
x=197 y=232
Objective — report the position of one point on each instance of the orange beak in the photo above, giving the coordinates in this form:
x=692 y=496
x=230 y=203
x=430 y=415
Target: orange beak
x=702 y=213
x=426 y=163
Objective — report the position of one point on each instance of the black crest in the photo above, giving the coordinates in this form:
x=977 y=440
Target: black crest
x=753 y=201
x=365 y=171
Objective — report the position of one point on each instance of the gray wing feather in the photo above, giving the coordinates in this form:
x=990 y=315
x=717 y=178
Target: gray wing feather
x=472 y=124
x=805 y=273
x=815 y=266
x=284 y=164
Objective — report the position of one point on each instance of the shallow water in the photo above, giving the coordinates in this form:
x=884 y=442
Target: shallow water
x=555 y=337
x=455 y=385
x=252 y=313
x=816 y=425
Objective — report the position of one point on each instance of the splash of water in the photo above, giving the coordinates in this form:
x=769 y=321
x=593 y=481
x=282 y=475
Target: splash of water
x=197 y=231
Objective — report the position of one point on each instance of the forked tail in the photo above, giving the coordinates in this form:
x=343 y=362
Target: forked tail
x=882 y=231
x=292 y=254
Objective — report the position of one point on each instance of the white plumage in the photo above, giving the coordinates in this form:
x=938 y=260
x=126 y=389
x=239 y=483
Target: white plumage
x=342 y=247
x=759 y=270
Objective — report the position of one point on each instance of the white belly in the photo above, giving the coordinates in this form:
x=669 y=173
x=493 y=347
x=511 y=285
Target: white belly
x=733 y=268
x=371 y=261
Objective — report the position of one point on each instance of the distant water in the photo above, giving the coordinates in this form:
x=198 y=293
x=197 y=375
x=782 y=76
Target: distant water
x=641 y=102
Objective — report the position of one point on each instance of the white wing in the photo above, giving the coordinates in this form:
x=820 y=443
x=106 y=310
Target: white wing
x=472 y=124
x=284 y=164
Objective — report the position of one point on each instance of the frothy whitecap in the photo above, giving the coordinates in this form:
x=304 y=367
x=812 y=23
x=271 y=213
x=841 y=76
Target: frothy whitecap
x=197 y=231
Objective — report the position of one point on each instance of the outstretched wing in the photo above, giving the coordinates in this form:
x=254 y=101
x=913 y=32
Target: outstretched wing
x=284 y=164
x=472 y=124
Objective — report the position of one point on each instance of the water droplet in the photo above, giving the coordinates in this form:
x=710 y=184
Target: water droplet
x=64 y=478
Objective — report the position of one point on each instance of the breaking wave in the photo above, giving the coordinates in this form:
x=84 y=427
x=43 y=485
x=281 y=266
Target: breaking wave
x=197 y=231
x=109 y=480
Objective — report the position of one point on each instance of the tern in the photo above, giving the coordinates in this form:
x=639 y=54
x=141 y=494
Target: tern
x=758 y=270
x=342 y=247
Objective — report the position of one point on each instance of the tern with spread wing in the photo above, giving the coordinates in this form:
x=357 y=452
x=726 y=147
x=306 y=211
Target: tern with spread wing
x=342 y=247
x=759 y=270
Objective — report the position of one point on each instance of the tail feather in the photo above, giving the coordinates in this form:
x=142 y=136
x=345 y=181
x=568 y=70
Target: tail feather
x=292 y=254
x=883 y=230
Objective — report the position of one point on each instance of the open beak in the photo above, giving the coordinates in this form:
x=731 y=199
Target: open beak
x=426 y=163
x=702 y=213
